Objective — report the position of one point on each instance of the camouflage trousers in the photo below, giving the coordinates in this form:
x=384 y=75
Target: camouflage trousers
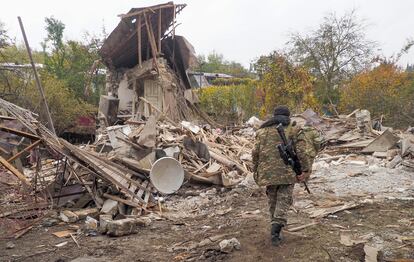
x=280 y=199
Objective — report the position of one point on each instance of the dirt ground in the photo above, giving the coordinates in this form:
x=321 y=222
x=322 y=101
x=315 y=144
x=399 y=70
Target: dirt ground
x=198 y=218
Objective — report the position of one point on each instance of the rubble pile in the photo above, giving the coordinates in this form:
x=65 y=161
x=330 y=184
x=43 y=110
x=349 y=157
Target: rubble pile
x=111 y=181
x=113 y=174
x=351 y=137
x=207 y=155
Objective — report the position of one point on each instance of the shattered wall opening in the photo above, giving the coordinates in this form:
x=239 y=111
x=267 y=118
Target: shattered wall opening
x=147 y=60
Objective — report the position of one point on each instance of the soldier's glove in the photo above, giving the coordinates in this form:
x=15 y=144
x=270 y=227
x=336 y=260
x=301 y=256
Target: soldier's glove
x=302 y=177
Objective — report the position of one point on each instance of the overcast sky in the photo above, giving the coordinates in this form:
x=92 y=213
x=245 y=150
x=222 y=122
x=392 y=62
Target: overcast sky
x=239 y=29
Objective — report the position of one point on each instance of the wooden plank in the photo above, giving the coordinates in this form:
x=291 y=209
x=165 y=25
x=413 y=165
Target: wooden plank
x=151 y=40
x=173 y=21
x=141 y=190
x=24 y=231
x=24 y=150
x=2 y=150
x=140 y=193
x=134 y=145
x=132 y=186
x=294 y=229
x=7 y=118
x=15 y=172
x=81 y=180
x=147 y=196
x=159 y=111
x=139 y=36
x=106 y=170
x=127 y=202
x=122 y=179
x=226 y=161
x=132 y=164
x=163 y=6
x=18 y=132
x=159 y=30
x=18 y=162
x=322 y=212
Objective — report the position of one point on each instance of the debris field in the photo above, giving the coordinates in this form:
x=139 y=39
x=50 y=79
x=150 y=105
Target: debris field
x=162 y=181
x=77 y=197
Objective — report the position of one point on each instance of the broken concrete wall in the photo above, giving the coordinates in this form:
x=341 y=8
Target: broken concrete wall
x=125 y=94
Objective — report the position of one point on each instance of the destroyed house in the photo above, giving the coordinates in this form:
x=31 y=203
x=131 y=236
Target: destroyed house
x=147 y=65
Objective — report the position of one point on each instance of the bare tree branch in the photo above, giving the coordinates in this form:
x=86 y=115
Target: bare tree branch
x=337 y=49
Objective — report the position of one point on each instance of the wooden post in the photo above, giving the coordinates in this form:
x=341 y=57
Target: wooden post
x=39 y=85
x=17 y=161
x=151 y=37
x=173 y=35
x=173 y=22
x=159 y=30
x=29 y=147
x=18 y=132
x=134 y=104
x=159 y=111
x=151 y=40
x=15 y=172
x=139 y=40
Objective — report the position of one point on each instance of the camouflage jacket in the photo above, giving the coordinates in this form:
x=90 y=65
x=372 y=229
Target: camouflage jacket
x=269 y=168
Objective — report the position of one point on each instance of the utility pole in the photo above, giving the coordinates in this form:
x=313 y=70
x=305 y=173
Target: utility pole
x=38 y=84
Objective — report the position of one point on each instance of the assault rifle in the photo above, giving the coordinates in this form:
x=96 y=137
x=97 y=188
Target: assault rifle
x=287 y=151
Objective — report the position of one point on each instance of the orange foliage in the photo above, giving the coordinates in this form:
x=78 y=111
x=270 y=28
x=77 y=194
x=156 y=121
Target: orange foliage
x=287 y=84
x=383 y=90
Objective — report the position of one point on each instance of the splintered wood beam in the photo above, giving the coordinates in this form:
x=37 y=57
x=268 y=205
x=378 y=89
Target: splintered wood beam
x=4 y=151
x=151 y=40
x=19 y=133
x=123 y=16
x=159 y=111
x=173 y=34
x=139 y=36
x=7 y=118
x=24 y=150
x=126 y=202
x=174 y=17
x=159 y=30
x=151 y=37
x=14 y=171
x=177 y=10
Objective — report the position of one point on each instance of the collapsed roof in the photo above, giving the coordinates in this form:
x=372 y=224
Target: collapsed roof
x=121 y=47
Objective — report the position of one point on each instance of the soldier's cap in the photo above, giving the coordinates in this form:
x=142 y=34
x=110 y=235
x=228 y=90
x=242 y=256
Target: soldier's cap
x=281 y=111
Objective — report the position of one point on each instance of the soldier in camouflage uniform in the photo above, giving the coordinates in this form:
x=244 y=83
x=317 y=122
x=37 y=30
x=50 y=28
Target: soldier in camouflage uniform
x=271 y=171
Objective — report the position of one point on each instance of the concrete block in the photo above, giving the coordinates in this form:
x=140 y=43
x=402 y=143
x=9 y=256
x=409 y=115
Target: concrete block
x=83 y=213
x=228 y=245
x=103 y=223
x=68 y=216
x=110 y=207
x=126 y=226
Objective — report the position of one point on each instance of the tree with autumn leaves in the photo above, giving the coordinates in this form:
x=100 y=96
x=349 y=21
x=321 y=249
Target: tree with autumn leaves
x=280 y=82
x=333 y=69
x=386 y=91
x=283 y=82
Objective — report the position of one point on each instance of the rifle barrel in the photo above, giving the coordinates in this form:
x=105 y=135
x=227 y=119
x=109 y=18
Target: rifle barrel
x=306 y=187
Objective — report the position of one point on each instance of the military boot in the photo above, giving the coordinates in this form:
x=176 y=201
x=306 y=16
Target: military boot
x=276 y=236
